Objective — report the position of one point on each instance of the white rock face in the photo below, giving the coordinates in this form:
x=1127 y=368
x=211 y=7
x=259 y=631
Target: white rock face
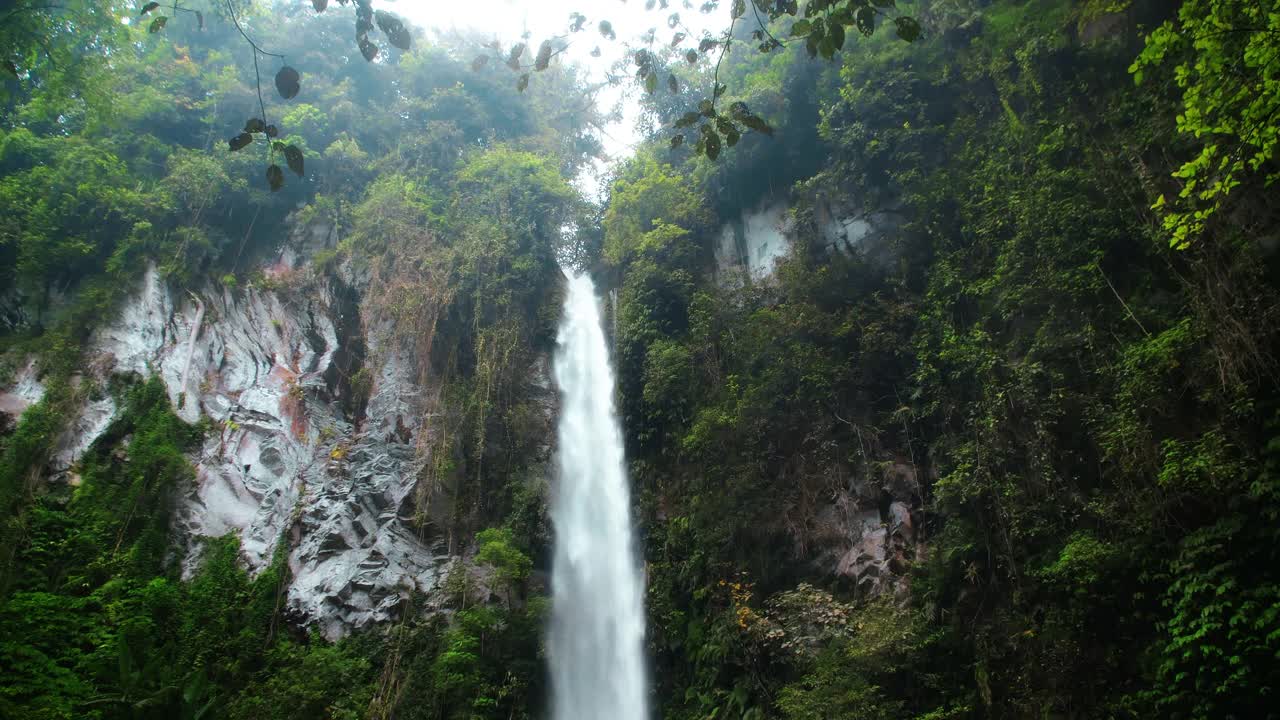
x=27 y=390
x=755 y=241
x=750 y=246
x=283 y=461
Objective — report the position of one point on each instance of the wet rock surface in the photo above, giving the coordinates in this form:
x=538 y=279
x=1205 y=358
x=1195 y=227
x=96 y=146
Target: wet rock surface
x=287 y=465
x=866 y=534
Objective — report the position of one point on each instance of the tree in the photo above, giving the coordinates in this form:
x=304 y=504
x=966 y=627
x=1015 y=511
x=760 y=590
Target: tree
x=498 y=550
x=822 y=25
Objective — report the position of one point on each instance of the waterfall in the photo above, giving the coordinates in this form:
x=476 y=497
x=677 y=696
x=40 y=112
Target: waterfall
x=597 y=623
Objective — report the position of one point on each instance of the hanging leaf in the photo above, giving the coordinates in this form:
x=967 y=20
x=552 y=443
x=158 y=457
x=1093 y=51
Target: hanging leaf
x=368 y=49
x=707 y=108
x=391 y=26
x=158 y=24
x=513 y=60
x=239 y=141
x=677 y=39
x=739 y=8
x=288 y=82
x=801 y=28
x=732 y=137
x=523 y=82
x=275 y=177
x=255 y=125
x=672 y=83
x=866 y=18
x=691 y=57
x=148 y=8
x=595 y=52
x=544 y=56
x=908 y=29
x=272 y=131
x=293 y=158
x=199 y=20
x=606 y=29
x=755 y=123
x=836 y=36
x=677 y=141
x=712 y=145
x=319 y=5
x=707 y=45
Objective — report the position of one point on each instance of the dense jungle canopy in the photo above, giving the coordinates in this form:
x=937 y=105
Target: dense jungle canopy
x=998 y=435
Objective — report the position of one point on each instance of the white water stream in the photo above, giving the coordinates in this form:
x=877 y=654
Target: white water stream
x=597 y=623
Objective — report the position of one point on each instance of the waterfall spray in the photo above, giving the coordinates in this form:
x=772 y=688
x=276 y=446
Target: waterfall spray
x=597 y=625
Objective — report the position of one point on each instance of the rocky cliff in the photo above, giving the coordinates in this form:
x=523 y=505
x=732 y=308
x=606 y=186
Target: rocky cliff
x=309 y=452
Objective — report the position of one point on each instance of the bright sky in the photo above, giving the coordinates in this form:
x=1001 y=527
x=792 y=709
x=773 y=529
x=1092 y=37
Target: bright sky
x=507 y=20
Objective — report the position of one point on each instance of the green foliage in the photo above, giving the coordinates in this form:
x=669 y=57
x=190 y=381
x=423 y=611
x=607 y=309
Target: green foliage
x=1224 y=55
x=97 y=624
x=301 y=682
x=1081 y=444
x=511 y=567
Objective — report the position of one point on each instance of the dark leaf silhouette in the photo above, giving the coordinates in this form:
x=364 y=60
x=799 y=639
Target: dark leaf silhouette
x=275 y=177
x=158 y=24
x=866 y=18
x=908 y=29
x=293 y=158
x=673 y=84
x=319 y=5
x=397 y=34
x=677 y=140
x=523 y=82
x=513 y=59
x=688 y=119
x=148 y=8
x=272 y=131
x=544 y=56
x=288 y=82
x=240 y=141
x=255 y=125
x=711 y=145
x=368 y=49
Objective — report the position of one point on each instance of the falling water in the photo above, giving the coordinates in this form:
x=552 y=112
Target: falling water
x=597 y=624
